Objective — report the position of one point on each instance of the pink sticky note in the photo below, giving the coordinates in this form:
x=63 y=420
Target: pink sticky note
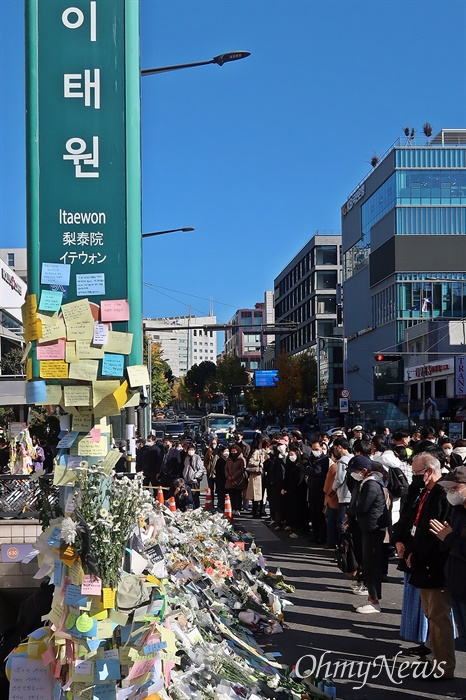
x=95 y=434
x=167 y=667
x=91 y=585
x=56 y=669
x=139 y=668
x=48 y=656
x=54 y=350
x=114 y=310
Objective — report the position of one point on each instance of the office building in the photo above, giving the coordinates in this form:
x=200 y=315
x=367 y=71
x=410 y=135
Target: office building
x=16 y=259
x=245 y=337
x=185 y=340
x=308 y=293
x=12 y=295
x=403 y=229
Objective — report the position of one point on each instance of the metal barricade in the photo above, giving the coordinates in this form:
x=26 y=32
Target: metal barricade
x=21 y=496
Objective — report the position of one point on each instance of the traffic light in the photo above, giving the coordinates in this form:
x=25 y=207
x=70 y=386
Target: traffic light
x=382 y=357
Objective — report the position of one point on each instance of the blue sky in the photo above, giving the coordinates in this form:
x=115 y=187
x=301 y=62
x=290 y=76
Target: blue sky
x=261 y=153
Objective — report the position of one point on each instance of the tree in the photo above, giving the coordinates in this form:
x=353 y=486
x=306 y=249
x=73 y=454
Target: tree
x=11 y=362
x=231 y=377
x=307 y=364
x=160 y=386
x=200 y=378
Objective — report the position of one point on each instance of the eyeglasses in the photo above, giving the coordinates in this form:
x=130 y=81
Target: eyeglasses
x=421 y=471
x=455 y=488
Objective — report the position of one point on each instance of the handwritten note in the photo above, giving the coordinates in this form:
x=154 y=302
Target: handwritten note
x=138 y=375
x=52 y=395
x=91 y=585
x=86 y=351
x=100 y=334
x=77 y=311
x=32 y=324
x=113 y=365
x=74 y=597
x=85 y=447
x=35 y=392
x=82 y=422
x=50 y=300
x=103 y=388
x=95 y=434
x=67 y=440
x=114 y=310
x=52 y=329
x=119 y=343
x=110 y=461
x=55 y=273
x=53 y=369
x=80 y=330
x=90 y=285
x=29 y=677
x=85 y=370
x=70 y=352
x=51 y=351
x=108 y=596
x=77 y=395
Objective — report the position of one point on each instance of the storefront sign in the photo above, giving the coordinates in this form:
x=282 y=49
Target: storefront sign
x=460 y=377
x=429 y=369
x=355 y=197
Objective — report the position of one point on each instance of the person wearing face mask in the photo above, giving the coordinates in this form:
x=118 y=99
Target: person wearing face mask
x=459 y=448
x=331 y=501
x=426 y=556
x=172 y=466
x=235 y=477
x=315 y=475
x=275 y=476
x=452 y=459
x=223 y=454
x=453 y=535
x=193 y=471
x=255 y=469
x=373 y=518
x=295 y=491
x=210 y=463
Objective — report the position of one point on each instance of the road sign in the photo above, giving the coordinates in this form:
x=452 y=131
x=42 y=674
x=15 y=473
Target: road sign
x=344 y=407
x=345 y=393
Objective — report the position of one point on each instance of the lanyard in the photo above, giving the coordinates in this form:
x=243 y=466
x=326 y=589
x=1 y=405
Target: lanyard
x=421 y=503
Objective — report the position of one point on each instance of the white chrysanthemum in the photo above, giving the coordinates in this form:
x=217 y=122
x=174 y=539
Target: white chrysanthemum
x=69 y=530
x=103 y=512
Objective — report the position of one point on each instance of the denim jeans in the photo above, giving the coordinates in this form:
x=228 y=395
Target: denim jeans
x=332 y=532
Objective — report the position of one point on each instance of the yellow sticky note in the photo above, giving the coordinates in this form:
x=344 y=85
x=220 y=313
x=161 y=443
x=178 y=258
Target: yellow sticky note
x=167 y=636
x=119 y=618
x=84 y=369
x=121 y=394
x=63 y=476
x=80 y=330
x=102 y=615
x=76 y=573
x=138 y=375
x=53 y=329
x=86 y=351
x=134 y=399
x=53 y=369
x=103 y=388
x=85 y=447
x=119 y=343
x=71 y=354
x=108 y=597
x=77 y=395
x=29 y=369
x=110 y=461
x=77 y=311
x=83 y=421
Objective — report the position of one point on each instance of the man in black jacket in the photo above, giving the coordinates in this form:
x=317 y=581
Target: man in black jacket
x=151 y=462
x=426 y=557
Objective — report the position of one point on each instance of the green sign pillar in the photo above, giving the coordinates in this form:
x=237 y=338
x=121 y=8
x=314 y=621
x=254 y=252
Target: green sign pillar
x=83 y=154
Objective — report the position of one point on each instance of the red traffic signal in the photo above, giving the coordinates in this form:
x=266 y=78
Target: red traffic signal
x=382 y=357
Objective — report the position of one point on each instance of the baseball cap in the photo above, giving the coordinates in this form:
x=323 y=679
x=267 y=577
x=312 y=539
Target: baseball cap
x=359 y=462
x=455 y=477
x=357 y=427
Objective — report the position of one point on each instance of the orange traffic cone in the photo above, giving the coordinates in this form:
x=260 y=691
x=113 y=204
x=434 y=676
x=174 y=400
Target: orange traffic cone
x=172 y=504
x=208 y=499
x=160 y=497
x=227 y=511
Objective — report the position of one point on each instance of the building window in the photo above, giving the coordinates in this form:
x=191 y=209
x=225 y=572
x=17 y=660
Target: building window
x=11 y=259
x=326 y=304
x=326 y=280
x=326 y=255
x=441 y=388
x=195 y=332
x=325 y=329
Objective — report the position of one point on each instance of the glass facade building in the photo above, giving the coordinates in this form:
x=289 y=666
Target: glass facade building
x=402 y=240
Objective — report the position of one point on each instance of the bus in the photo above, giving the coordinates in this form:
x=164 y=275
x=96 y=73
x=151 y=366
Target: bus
x=220 y=423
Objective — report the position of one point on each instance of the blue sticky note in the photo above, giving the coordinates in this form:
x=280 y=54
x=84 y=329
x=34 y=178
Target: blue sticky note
x=104 y=691
x=36 y=391
x=74 y=597
x=107 y=670
x=57 y=572
x=125 y=631
x=56 y=695
x=54 y=538
x=151 y=648
x=90 y=285
x=94 y=644
x=55 y=273
x=113 y=365
x=50 y=300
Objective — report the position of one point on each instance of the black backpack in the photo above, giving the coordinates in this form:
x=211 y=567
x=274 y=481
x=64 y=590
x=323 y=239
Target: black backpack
x=397 y=483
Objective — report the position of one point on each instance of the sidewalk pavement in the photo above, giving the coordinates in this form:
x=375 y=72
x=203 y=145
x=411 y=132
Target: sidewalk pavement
x=323 y=619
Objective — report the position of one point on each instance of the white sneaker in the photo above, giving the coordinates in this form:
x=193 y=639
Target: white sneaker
x=360 y=590
x=355 y=584
x=369 y=608
x=293 y=535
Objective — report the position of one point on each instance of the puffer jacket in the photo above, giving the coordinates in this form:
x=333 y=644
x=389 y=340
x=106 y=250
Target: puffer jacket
x=371 y=507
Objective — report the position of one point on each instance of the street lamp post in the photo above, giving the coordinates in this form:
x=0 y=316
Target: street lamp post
x=170 y=230
x=218 y=60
